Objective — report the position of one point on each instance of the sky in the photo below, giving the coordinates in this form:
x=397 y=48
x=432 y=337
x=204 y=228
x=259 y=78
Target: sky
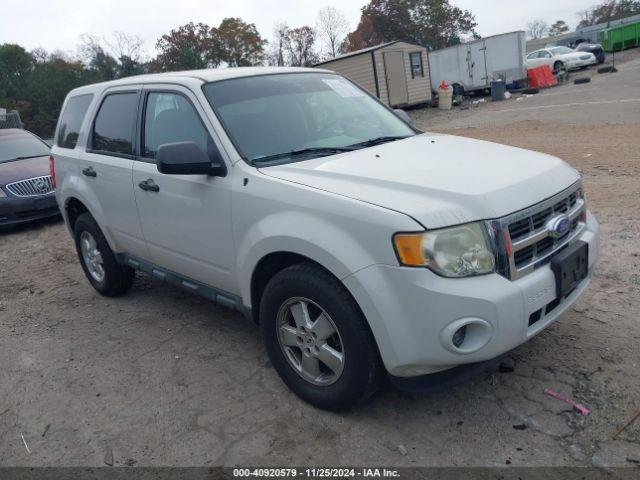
x=58 y=24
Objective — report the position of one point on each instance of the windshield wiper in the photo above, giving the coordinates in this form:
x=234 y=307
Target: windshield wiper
x=303 y=151
x=377 y=141
x=28 y=156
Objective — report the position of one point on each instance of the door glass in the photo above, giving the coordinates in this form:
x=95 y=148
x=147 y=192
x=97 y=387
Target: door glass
x=170 y=118
x=114 y=127
x=71 y=120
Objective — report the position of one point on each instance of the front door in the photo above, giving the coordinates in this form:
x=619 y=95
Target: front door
x=396 y=77
x=186 y=221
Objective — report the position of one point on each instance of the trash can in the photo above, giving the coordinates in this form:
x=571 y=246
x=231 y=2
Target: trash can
x=445 y=98
x=497 y=90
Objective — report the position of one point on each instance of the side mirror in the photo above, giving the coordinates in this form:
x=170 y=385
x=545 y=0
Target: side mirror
x=402 y=115
x=187 y=158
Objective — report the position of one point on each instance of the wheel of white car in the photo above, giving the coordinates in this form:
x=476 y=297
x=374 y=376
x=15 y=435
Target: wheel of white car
x=99 y=263
x=558 y=66
x=318 y=339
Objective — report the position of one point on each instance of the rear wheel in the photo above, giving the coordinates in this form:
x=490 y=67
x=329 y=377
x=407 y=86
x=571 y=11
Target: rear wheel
x=317 y=338
x=98 y=260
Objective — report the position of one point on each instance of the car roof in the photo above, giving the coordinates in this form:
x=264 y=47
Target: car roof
x=202 y=76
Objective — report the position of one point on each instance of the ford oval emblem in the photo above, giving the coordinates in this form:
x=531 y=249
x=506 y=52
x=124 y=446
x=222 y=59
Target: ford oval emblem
x=559 y=226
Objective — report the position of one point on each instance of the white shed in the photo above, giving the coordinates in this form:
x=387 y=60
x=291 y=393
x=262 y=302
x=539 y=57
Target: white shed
x=395 y=72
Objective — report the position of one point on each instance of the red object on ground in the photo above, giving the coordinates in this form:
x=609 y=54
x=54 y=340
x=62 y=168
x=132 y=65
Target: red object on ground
x=541 y=77
x=581 y=408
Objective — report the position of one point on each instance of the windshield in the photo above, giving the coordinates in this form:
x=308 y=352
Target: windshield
x=14 y=147
x=288 y=116
x=560 y=50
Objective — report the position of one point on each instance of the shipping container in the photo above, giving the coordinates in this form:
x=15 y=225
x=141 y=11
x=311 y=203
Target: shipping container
x=621 y=37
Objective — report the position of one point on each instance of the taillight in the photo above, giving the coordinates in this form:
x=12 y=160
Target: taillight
x=52 y=171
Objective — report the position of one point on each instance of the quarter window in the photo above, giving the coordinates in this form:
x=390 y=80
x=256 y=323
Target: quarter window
x=170 y=118
x=71 y=121
x=114 y=127
x=417 y=69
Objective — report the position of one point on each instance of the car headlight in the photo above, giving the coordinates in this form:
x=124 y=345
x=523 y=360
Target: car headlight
x=2 y=194
x=461 y=251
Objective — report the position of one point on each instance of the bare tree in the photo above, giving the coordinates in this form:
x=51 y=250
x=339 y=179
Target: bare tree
x=537 y=29
x=280 y=33
x=123 y=45
x=299 y=44
x=332 y=26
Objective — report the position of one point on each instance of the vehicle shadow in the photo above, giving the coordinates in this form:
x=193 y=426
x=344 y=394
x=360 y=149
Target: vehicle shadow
x=32 y=225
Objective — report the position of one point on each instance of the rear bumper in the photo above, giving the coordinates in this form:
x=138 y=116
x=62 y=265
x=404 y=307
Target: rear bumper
x=17 y=210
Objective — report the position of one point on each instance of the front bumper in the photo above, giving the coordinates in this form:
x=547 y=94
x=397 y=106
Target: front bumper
x=410 y=310
x=15 y=210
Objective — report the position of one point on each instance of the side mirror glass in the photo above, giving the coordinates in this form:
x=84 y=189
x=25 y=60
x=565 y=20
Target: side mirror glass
x=187 y=158
x=402 y=115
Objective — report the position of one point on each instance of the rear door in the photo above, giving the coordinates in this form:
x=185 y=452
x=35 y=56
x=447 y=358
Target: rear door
x=478 y=64
x=187 y=221
x=106 y=167
x=396 y=77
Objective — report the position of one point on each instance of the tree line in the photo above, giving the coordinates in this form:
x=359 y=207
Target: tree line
x=601 y=13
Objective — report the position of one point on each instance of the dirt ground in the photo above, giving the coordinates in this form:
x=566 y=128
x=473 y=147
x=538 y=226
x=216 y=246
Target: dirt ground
x=160 y=377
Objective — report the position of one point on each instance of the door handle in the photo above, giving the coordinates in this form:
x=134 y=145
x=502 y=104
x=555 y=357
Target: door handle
x=89 y=172
x=149 y=186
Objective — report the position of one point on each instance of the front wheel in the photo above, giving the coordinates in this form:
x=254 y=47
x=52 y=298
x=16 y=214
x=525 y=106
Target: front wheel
x=317 y=338
x=557 y=67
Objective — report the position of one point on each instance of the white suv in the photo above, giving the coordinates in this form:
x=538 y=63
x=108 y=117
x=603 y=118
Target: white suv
x=365 y=249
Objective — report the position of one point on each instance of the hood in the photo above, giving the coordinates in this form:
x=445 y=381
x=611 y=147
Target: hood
x=439 y=180
x=22 y=169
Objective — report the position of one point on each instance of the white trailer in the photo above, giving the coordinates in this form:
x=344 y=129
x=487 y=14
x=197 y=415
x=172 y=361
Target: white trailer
x=472 y=66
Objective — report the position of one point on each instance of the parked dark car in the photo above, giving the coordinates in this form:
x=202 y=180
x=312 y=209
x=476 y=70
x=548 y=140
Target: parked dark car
x=26 y=186
x=594 y=48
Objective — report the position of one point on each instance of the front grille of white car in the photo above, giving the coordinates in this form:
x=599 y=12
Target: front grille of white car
x=31 y=187
x=524 y=241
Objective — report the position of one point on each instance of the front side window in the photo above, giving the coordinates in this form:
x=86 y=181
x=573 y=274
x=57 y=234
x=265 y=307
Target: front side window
x=71 y=121
x=533 y=55
x=114 y=127
x=283 y=116
x=20 y=145
x=170 y=118
x=416 y=64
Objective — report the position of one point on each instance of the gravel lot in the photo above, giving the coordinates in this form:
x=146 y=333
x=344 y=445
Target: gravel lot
x=160 y=377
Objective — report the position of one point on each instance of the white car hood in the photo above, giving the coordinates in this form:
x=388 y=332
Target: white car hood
x=439 y=180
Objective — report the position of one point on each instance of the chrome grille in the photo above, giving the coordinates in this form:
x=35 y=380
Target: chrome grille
x=31 y=187
x=523 y=240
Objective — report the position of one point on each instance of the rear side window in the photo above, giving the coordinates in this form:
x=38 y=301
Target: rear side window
x=114 y=126
x=71 y=120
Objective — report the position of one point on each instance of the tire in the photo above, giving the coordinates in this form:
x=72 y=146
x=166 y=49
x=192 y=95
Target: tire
x=361 y=367
x=557 y=67
x=117 y=279
x=608 y=69
x=579 y=81
x=531 y=91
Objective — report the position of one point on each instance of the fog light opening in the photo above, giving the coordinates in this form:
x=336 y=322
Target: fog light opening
x=466 y=335
x=459 y=336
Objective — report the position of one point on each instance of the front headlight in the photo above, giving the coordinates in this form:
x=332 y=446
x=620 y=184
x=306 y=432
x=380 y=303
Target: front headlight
x=461 y=251
x=2 y=194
